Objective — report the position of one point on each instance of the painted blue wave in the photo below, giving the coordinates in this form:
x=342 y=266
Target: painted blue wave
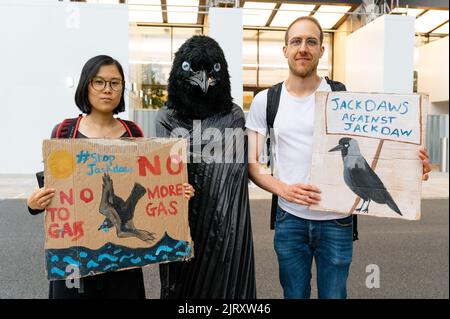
x=163 y=248
x=92 y=264
x=107 y=256
x=112 y=257
x=69 y=260
x=57 y=271
x=126 y=257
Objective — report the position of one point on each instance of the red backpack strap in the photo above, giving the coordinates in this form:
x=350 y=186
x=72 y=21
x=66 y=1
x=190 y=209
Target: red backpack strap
x=61 y=125
x=132 y=128
x=68 y=128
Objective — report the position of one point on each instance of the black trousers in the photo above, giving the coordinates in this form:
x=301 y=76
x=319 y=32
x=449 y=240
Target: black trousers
x=127 y=284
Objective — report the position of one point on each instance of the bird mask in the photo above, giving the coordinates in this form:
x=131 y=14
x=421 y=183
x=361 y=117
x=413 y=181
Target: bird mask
x=199 y=82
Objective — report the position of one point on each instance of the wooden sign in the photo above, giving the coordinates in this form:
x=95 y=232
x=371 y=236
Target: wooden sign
x=119 y=204
x=365 y=153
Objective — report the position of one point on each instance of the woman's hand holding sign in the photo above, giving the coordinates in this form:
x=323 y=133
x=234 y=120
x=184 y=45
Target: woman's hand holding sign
x=40 y=198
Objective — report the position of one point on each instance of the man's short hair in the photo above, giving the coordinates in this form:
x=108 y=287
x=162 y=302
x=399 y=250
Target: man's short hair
x=308 y=18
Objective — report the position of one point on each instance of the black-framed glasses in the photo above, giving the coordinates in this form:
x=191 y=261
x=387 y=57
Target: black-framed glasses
x=99 y=84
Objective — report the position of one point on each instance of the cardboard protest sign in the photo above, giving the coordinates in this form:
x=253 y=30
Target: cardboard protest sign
x=119 y=204
x=365 y=153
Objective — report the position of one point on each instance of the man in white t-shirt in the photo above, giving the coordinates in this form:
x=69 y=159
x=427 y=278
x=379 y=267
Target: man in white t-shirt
x=301 y=234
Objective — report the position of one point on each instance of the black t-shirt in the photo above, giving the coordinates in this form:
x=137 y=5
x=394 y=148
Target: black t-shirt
x=79 y=134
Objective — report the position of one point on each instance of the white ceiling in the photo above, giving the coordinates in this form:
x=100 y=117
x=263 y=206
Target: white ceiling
x=270 y=14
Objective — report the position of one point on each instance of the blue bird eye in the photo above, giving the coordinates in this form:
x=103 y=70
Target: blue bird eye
x=346 y=145
x=217 y=67
x=186 y=66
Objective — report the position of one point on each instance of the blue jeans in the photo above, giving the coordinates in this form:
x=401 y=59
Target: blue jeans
x=298 y=240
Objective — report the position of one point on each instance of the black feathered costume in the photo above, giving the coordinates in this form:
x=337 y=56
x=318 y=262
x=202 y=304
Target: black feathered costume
x=219 y=213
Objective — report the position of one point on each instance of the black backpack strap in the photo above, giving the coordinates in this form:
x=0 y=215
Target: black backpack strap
x=338 y=86
x=273 y=100
x=335 y=85
x=132 y=128
x=68 y=128
x=355 y=227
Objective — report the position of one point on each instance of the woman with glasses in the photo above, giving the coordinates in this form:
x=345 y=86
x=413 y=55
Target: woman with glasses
x=99 y=95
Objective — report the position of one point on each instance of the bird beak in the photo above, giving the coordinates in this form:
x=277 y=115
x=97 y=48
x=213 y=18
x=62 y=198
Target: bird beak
x=336 y=148
x=201 y=79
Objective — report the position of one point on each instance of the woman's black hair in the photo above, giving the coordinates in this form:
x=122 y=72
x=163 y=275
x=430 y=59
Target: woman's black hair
x=90 y=69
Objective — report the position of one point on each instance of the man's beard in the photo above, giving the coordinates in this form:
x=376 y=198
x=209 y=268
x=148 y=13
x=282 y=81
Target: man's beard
x=306 y=72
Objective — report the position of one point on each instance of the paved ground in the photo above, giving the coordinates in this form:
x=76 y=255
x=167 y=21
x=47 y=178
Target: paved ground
x=413 y=257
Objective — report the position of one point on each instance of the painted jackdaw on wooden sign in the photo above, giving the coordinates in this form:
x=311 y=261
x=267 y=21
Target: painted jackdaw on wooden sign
x=360 y=177
x=366 y=153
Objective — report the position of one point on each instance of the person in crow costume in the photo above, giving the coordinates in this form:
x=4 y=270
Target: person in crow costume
x=199 y=101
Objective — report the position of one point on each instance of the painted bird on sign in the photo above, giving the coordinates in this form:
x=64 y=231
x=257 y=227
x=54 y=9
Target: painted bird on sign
x=120 y=213
x=360 y=177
